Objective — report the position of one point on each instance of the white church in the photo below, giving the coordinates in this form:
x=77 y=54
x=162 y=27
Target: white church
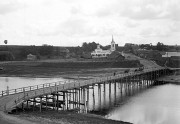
x=100 y=53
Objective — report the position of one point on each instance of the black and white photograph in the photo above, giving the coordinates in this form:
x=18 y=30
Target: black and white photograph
x=89 y=61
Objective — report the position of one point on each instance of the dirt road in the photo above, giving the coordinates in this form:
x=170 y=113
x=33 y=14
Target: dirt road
x=145 y=62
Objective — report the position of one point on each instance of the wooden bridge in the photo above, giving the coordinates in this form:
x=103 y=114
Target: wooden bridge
x=75 y=95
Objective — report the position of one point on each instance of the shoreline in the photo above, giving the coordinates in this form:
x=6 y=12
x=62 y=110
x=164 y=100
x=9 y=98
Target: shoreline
x=173 y=79
x=66 y=117
x=55 y=117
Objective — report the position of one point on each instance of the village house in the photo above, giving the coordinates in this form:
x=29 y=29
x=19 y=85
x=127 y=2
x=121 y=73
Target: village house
x=31 y=57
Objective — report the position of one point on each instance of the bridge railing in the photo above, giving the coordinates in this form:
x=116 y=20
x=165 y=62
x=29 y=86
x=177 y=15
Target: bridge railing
x=91 y=81
x=29 y=88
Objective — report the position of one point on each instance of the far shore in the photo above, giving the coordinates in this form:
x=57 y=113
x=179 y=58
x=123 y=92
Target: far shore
x=51 y=70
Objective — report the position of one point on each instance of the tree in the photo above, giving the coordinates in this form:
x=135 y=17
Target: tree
x=5 y=41
x=45 y=50
x=161 y=47
x=89 y=47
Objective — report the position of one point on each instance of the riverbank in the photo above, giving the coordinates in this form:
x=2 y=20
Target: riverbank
x=65 y=117
x=50 y=70
x=54 y=117
x=173 y=79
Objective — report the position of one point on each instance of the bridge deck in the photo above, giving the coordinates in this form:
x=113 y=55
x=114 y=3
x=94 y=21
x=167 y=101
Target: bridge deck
x=9 y=100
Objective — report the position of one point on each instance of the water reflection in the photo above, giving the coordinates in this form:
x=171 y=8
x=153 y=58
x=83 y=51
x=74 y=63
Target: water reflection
x=103 y=98
x=159 y=105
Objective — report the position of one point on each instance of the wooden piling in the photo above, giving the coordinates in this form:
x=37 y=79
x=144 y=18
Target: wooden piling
x=40 y=107
x=67 y=108
x=93 y=99
x=99 y=94
x=57 y=105
x=87 y=103
x=109 y=93
x=115 y=91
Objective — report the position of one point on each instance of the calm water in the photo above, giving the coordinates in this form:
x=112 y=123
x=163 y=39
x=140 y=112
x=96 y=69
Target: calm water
x=158 y=105
x=18 y=82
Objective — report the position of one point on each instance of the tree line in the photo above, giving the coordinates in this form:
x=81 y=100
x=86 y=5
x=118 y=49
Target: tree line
x=48 y=51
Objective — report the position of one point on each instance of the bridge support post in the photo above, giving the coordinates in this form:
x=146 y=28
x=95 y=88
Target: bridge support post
x=57 y=101
x=121 y=85
x=34 y=103
x=79 y=98
x=151 y=76
x=40 y=107
x=147 y=79
x=70 y=98
x=109 y=93
x=141 y=82
x=84 y=99
x=99 y=95
x=104 y=84
x=93 y=99
x=27 y=106
x=138 y=81
x=64 y=100
x=115 y=91
x=73 y=99
x=132 y=83
x=23 y=106
x=46 y=101
x=87 y=103
x=126 y=85
x=67 y=100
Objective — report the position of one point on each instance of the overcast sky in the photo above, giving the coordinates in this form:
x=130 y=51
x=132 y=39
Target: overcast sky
x=72 y=22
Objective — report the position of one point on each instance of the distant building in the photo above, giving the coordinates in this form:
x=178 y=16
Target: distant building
x=31 y=57
x=100 y=53
x=169 y=54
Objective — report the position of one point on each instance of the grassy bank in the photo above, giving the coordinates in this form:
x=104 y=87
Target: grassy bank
x=105 y=64
x=63 y=69
x=62 y=117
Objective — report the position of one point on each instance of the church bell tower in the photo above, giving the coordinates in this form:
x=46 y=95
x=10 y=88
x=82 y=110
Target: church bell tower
x=113 y=45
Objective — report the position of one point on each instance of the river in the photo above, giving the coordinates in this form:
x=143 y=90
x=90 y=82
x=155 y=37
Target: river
x=157 y=105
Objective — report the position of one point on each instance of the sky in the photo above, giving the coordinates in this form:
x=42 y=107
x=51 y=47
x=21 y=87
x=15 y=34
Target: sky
x=72 y=22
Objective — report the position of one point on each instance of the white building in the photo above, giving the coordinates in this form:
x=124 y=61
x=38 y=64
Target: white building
x=31 y=57
x=100 y=53
x=169 y=54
